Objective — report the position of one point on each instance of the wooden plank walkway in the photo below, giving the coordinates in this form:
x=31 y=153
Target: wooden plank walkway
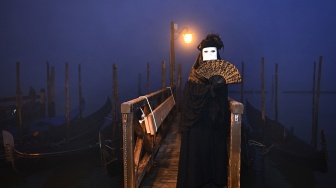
x=163 y=174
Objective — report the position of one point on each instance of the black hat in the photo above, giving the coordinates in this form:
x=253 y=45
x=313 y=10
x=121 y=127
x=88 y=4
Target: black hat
x=211 y=40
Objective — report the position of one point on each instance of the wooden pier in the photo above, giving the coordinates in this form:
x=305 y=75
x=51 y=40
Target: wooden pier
x=164 y=170
x=151 y=145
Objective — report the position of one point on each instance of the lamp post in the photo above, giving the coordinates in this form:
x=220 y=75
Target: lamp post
x=187 y=36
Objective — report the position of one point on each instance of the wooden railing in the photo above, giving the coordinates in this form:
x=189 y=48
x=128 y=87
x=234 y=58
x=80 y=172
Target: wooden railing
x=236 y=109
x=146 y=121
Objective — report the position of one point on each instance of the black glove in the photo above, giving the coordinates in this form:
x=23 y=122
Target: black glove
x=216 y=80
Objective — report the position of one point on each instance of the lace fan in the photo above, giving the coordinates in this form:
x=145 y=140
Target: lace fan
x=222 y=68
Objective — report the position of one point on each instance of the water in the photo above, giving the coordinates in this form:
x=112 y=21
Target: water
x=295 y=110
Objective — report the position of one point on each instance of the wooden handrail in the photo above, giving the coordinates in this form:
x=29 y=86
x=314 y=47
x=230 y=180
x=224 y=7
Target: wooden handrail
x=236 y=109
x=139 y=147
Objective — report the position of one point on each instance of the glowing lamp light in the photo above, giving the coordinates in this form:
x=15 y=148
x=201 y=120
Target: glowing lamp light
x=187 y=38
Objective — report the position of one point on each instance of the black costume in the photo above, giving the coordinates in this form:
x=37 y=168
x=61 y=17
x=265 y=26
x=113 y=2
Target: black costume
x=205 y=123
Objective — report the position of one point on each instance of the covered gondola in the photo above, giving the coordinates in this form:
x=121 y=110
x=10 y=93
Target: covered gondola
x=59 y=142
x=278 y=142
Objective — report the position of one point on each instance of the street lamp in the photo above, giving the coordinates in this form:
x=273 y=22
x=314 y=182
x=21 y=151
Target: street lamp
x=187 y=36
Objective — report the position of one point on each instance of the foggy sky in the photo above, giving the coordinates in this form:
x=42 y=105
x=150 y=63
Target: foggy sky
x=131 y=34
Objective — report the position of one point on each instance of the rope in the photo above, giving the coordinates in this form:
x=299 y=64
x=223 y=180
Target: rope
x=150 y=110
x=265 y=150
x=142 y=116
x=172 y=93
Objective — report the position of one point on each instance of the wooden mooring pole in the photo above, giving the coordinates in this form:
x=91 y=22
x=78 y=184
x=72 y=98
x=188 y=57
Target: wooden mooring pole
x=19 y=99
x=42 y=103
x=276 y=92
x=115 y=94
x=80 y=91
x=115 y=105
x=139 y=84
x=67 y=116
x=172 y=54
x=48 y=90
x=148 y=78
x=179 y=87
x=51 y=91
x=313 y=102
x=242 y=83
x=263 y=90
x=163 y=77
x=316 y=106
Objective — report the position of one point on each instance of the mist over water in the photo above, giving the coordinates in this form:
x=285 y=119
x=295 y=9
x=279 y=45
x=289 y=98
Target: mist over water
x=295 y=111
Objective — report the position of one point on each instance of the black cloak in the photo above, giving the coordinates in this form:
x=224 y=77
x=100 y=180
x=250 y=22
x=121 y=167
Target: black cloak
x=205 y=123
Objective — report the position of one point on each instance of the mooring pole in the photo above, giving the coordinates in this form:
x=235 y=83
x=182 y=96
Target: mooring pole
x=67 y=99
x=48 y=90
x=172 y=54
x=179 y=87
x=80 y=91
x=139 y=84
x=115 y=105
x=19 y=99
x=317 y=102
x=276 y=92
x=313 y=105
x=242 y=84
x=163 y=76
x=52 y=93
x=148 y=78
x=263 y=90
x=42 y=103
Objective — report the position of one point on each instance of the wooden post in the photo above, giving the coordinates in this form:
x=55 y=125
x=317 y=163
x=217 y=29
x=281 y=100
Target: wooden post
x=80 y=91
x=263 y=90
x=48 y=90
x=148 y=78
x=272 y=82
x=115 y=106
x=128 y=149
x=139 y=84
x=276 y=92
x=163 y=77
x=115 y=92
x=67 y=99
x=313 y=105
x=237 y=109
x=172 y=54
x=19 y=99
x=179 y=87
x=136 y=163
x=317 y=103
x=42 y=103
x=52 y=93
x=242 y=83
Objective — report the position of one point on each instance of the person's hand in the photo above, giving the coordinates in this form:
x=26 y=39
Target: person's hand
x=216 y=80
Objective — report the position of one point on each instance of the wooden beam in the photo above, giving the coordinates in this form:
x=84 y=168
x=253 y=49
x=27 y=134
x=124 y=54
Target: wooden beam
x=155 y=118
x=235 y=144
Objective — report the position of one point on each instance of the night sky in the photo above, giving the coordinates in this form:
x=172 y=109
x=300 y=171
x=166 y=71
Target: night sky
x=131 y=34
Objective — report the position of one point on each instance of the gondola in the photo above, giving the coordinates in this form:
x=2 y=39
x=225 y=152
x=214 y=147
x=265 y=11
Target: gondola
x=278 y=142
x=35 y=128
x=58 y=143
x=39 y=125
x=110 y=142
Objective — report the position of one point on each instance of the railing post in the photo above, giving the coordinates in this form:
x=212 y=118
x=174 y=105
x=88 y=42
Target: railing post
x=128 y=146
x=237 y=109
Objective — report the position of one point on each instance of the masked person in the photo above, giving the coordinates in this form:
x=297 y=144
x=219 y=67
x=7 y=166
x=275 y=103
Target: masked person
x=205 y=122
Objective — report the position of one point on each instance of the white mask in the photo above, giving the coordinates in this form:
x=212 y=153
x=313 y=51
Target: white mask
x=209 y=53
